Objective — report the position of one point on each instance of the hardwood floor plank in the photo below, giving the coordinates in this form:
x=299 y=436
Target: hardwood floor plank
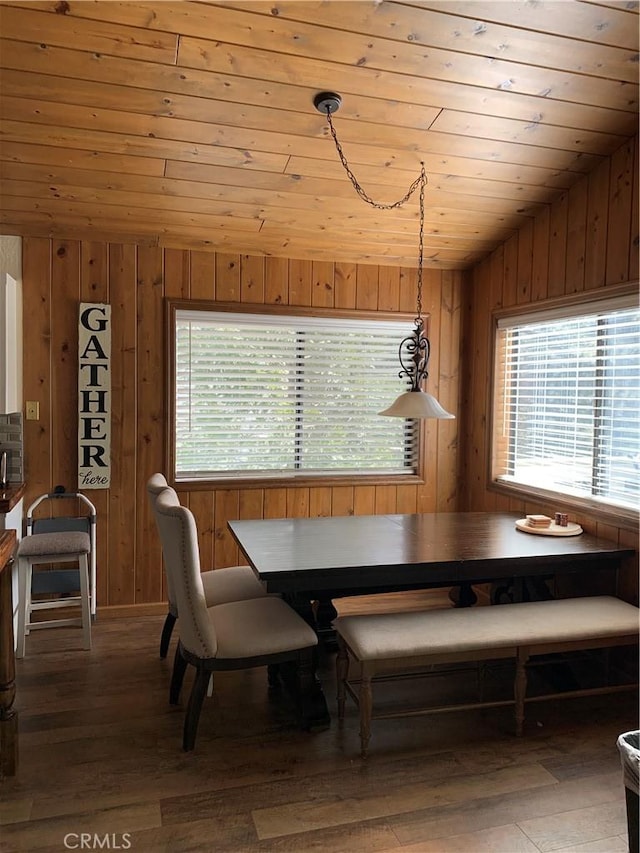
x=553 y=832
x=491 y=811
x=236 y=838
x=308 y=815
x=616 y=844
x=501 y=839
x=37 y=834
x=15 y=810
x=348 y=782
x=579 y=766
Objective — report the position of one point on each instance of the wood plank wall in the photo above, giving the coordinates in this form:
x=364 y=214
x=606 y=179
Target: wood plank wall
x=58 y=274
x=588 y=239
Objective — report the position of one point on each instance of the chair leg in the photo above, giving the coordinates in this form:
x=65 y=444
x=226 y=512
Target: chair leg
x=366 y=707
x=85 y=601
x=165 y=638
x=177 y=676
x=24 y=584
x=92 y=581
x=194 y=707
x=342 y=673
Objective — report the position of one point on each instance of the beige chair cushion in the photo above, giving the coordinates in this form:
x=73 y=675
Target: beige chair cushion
x=54 y=544
x=259 y=626
x=386 y=636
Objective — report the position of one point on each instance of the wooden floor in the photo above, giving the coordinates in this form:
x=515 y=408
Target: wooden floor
x=101 y=754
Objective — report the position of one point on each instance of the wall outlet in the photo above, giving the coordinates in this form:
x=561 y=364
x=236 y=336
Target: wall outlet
x=32 y=410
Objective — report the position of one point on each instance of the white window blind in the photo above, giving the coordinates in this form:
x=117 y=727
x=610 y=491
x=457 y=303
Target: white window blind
x=275 y=395
x=567 y=413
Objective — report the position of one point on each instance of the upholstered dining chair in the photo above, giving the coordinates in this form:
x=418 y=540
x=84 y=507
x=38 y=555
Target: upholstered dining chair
x=232 y=636
x=234 y=583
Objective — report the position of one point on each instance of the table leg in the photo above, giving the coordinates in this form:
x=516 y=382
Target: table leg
x=306 y=685
x=325 y=613
x=512 y=590
x=463 y=595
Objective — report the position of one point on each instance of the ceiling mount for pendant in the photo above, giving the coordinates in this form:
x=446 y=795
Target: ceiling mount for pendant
x=327 y=102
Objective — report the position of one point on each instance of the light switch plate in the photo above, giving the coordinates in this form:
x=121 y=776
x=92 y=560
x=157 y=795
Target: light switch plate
x=33 y=410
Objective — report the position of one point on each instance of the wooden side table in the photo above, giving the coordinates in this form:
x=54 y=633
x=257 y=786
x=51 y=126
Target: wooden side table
x=8 y=716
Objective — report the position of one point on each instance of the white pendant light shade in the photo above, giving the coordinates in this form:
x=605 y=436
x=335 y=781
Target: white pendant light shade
x=416 y=404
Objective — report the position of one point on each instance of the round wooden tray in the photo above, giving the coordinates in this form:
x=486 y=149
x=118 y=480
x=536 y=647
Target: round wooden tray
x=572 y=529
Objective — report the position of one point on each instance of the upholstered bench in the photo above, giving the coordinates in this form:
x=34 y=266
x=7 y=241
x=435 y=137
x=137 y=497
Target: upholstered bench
x=387 y=644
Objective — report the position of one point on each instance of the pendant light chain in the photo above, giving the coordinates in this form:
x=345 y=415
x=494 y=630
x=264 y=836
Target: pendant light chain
x=414 y=350
x=423 y=181
x=420 y=182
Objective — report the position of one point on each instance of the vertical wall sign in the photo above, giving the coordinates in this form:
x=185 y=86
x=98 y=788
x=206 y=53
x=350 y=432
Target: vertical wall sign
x=94 y=396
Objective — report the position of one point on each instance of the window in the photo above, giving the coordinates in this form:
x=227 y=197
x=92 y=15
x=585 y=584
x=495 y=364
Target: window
x=287 y=396
x=567 y=401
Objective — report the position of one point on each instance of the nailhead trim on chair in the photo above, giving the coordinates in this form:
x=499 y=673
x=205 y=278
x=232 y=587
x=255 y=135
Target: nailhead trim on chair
x=203 y=645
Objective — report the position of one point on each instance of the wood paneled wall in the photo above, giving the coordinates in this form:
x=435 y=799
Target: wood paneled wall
x=588 y=239
x=58 y=274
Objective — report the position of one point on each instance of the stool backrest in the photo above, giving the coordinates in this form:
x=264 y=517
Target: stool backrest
x=64 y=523
x=61 y=524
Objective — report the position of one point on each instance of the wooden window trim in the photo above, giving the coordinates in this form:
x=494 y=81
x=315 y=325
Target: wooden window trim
x=620 y=516
x=252 y=482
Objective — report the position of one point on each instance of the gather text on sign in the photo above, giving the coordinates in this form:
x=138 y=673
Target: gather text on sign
x=94 y=396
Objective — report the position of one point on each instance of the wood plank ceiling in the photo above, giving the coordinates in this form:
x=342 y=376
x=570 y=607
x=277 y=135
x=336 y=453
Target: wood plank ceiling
x=192 y=124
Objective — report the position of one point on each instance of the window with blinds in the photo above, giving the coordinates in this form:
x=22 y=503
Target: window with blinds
x=287 y=396
x=567 y=401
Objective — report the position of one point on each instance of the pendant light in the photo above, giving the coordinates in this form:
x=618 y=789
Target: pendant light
x=415 y=349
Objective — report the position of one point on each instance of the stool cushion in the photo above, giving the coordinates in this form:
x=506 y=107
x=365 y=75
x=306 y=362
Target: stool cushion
x=52 y=544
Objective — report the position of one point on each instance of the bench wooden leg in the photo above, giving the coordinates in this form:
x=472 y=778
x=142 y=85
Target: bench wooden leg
x=520 y=688
x=342 y=673
x=481 y=673
x=366 y=704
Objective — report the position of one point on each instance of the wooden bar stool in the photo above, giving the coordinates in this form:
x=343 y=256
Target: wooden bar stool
x=61 y=539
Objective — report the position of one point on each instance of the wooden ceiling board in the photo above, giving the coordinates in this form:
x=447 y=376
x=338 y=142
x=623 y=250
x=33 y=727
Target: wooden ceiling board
x=99 y=35
x=48 y=158
x=259 y=64
x=354 y=23
x=583 y=21
x=540 y=91
x=191 y=124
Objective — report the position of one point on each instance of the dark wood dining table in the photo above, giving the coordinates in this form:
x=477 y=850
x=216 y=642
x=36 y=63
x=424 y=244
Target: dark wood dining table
x=310 y=560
